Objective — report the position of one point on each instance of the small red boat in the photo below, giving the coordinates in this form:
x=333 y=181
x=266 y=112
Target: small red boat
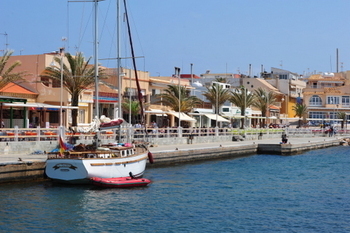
x=120 y=182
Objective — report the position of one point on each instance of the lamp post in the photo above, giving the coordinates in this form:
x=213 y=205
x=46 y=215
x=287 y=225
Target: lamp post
x=191 y=77
x=177 y=74
x=245 y=106
x=281 y=106
x=217 y=103
x=216 y=110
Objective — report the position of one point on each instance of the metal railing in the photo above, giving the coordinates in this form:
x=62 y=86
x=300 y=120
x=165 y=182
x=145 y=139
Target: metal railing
x=131 y=133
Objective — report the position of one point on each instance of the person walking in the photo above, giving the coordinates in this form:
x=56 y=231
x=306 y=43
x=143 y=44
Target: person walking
x=284 y=138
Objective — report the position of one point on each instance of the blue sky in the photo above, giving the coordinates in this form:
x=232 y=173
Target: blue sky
x=216 y=35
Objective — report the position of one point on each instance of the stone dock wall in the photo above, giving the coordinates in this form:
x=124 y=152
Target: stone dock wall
x=290 y=149
x=191 y=155
x=22 y=171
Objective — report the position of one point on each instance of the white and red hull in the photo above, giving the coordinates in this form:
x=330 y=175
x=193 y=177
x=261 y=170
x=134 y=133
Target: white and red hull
x=80 y=170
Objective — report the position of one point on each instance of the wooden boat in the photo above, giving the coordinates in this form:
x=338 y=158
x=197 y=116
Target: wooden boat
x=120 y=182
x=79 y=165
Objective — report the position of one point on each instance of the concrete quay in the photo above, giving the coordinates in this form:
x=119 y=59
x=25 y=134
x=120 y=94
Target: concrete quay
x=172 y=154
x=25 y=167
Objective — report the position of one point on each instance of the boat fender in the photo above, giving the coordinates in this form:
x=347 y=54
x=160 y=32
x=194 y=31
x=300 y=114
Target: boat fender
x=150 y=157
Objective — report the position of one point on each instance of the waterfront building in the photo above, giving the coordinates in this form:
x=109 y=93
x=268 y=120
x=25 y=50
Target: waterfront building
x=326 y=95
x=163 y=115
x=44 y=109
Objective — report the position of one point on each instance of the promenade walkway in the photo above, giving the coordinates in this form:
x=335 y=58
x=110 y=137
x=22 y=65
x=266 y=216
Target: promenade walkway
x=14 y=158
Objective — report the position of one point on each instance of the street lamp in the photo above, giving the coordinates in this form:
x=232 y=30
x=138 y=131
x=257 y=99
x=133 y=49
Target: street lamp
x=177 y=74
x=191 y=76
x=245 y=106
x=217 y=103
x=216 y=84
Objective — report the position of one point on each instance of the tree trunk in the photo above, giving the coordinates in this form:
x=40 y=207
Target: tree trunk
x=75 y=103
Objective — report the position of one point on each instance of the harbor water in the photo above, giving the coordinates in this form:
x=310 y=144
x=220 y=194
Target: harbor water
x=309 y=192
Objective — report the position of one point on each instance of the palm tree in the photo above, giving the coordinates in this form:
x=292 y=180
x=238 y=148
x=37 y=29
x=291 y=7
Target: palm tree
x=131 y=107
x=170 y=97
x=242 y=99
x=343 y=116
x=7 y=75
x=300 y=111
x=263 y=100
x=217 y=96
x=77 y=76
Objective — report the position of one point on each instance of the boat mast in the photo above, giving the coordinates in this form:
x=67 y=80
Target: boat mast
x=97 y=110
x=140 y=96
x=120 y=112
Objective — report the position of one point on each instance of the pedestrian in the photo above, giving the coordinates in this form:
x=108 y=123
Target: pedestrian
x=331 y=130
x=284 y=138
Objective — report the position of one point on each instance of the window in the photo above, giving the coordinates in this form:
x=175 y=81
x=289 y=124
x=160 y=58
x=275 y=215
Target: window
x=315 y=100
x=323 y=85
x=317 y=115
x=45 y=81
x=81 y=116
x=225 y=109
x=345 y=101
x=56 y=83
x=283 y=76
x=332 y=100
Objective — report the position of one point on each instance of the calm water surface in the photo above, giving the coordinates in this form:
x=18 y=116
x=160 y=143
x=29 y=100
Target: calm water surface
x=263 y=193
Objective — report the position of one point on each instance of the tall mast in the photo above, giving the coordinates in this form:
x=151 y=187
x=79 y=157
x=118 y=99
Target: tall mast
x=97 y=110
x=120 y=112
x=139 y=92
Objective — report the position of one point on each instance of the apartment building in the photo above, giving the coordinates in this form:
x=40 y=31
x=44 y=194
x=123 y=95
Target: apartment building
x=327 y=94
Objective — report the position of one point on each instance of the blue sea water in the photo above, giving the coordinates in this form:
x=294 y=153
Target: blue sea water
x=309 y=192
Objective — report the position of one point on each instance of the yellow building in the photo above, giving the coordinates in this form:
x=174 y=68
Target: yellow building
x=326 y=95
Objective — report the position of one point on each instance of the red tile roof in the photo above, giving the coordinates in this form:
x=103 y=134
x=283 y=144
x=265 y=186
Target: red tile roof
x=14 y=88
x=189 y=76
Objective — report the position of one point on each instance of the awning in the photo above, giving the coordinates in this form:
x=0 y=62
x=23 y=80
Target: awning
x=37 y=105
x=330 y=81
x=202 y=110
x=183 y=116
x=8 y=99
x=156 y=112
x=257 y=117
x=238 y=117
x=216 y=117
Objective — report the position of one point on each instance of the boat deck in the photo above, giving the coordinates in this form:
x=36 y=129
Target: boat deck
x=112 y=152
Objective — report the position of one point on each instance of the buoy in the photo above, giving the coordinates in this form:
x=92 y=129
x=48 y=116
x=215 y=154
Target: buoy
x=150 y=157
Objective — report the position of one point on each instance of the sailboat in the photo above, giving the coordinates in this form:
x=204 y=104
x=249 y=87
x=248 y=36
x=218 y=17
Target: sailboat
x=103 y=161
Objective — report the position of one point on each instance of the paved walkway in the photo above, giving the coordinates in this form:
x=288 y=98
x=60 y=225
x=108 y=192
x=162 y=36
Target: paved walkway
x=14 y=158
